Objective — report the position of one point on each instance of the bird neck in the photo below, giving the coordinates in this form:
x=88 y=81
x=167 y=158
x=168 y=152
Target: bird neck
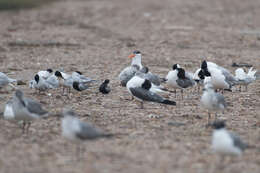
x=137 y=60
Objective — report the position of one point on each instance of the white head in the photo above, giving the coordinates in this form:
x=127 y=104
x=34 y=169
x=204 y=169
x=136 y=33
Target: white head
x=136 y=57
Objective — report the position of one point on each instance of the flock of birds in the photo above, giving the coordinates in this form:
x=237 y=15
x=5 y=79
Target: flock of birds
x=144 y=86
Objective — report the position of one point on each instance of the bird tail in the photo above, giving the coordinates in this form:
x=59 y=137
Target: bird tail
x=251 y=73
x=169 y=102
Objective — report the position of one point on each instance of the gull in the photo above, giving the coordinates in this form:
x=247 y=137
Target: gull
x=78 y=131
x=104 y=88
x=141 y=89
x=184 y=80
x=26 y=109
x=78 y=77
x=225 y=142
x=245 y=78
x=172 y=77
x=79 y=86
x=127 y=73
x=42 y=84
x=211 y=100
x=221 y=77
x=5 y=80
x=45 y=73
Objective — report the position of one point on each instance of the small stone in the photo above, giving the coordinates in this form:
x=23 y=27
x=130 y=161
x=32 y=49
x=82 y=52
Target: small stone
x=20 y=82
x=154 y=116
x=176 y=124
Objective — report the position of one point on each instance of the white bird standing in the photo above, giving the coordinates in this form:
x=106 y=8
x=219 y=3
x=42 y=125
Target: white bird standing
x=221 y=77
x=127 y=73
x=210 y=100
x=245 y=78
x=171 y=77
x=225 y=142
x=26 y=109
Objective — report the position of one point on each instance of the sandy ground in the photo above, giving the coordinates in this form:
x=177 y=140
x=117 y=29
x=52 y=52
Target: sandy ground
x=96 y=37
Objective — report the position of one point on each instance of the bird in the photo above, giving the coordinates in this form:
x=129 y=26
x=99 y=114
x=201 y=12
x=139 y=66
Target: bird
x=211 y=100
x=79 y=86
x=184 y=80
x=221 y=77
x=67 y=80
x=45 y=73
x=26 y=109
x=171 y=77
x=42 y=84
x=225 y=142
x=127 y=73
x=78 y=131
x=141 y=89
x=245 y=78
x=104 y=88
x=5 y=80
x=79 y=77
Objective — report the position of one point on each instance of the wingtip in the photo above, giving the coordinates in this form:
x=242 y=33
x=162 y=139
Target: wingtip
x=169 y=102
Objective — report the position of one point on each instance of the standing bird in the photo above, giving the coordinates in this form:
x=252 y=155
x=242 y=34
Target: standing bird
x=5 y=80
x=77 y=131
x=127 y=73
x=172 y=77
x=184 y=80
x=211 y=100
x=225 y=142
x=245 y=78
x=26 y=109
x=104 y=88
x=221 y=77
x=141 y=89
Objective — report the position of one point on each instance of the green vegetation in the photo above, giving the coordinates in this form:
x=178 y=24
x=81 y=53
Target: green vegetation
x=19 y=4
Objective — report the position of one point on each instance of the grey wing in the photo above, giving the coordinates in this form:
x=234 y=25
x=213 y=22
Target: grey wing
x=34 y=107
x=87 y=131
x=83 y=86
x=127 y=74
x=230 y=79
x=153 y=78
x=238 y=142
x=184 y=83
x=221 y=99
x=146 y=95
x=53 y=81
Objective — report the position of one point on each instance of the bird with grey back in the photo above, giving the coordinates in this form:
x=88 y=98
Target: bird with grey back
x=27 y=109
x=225 y=142
x=211 y=100
x=5 y=80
